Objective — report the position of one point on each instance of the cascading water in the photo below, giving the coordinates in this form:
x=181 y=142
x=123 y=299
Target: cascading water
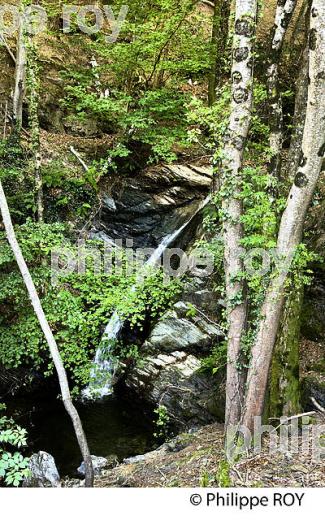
x=103 y=370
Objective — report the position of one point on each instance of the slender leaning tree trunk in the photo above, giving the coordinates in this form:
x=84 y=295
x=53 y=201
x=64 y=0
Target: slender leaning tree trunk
x=283 y=15
x=231 y=180
x=54 y=351
x=20 y=80
x=33 y=84
x=292 y=222
x=299 y=116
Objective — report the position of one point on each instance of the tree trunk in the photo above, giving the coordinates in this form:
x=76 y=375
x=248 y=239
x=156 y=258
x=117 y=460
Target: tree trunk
x=218 y=45
x=54 y=351
x=284 y=396
x=291 y=226
x=284 y=12
x=33 y=104
x=299 y=116
x=230 y=167
x=20 y=80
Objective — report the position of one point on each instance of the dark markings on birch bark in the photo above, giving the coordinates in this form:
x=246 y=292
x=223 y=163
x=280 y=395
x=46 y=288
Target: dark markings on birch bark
x=245 y=27
x=240 y=95
x=301 y=180
x=237 y=77
x=241 y=54
x=285 y=20
x=238 y=142
x=303 y=160
x=312 y=39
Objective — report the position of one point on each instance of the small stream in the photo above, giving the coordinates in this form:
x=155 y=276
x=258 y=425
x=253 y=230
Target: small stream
x=114 y=427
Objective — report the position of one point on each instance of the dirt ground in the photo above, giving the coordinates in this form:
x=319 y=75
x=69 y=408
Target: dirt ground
x=197 y=459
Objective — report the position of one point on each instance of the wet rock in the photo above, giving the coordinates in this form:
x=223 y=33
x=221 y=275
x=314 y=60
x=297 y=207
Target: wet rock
x=135 y=459
x=177 y=382
x=43 y=470
x=73 y=483
x=152 y=204
x=99 y=463
x=184 y=328
x=109 y=203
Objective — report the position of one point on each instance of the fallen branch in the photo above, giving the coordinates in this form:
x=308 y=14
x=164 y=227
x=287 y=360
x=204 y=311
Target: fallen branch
x=12 y=56
x=82 y=162
x=284 y=420
x=318 y=406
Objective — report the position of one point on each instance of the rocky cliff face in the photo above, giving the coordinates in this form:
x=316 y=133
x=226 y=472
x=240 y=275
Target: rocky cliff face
x=171 y=373
x=147 y=208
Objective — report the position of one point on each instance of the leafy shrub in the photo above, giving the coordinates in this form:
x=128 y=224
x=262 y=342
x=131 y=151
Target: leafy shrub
x=77 y=308
x=13 y=465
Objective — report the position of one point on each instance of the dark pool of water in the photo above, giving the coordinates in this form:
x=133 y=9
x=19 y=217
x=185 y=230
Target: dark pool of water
x=113 y=427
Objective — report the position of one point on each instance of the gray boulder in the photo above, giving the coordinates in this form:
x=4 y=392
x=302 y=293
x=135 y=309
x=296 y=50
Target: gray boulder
x=99 y=463
x=179 y=330
x=192 y=397
x=43 y=471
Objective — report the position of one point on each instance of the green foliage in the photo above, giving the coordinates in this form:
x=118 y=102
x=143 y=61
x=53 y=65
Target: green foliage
x=217 y=360
x=206 y=480
x=13 y=174
x=69 y=193
x=300 y=269
x=223 y=475
x=77 y=308
x=138 y=87
x=161 y=422
x=13 y=465
x=207 y=125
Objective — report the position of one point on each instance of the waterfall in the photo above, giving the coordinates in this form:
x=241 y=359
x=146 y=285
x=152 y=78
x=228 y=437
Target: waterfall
x=103 y=370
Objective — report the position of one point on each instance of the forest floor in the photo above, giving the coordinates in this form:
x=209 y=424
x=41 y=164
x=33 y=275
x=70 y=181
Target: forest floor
x=197 y=459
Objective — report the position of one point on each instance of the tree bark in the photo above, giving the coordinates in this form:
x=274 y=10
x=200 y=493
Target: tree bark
x=284 y=396
x=54 y=351
x=20 y=80
x=284 y=12
x=299 y=116
x=231 y=180
x=291 y=226
x=33 y=104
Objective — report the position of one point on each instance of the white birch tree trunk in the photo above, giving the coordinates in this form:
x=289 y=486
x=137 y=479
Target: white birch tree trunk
x=54 y=351
x=292 y=222
x=231 y=180
x=20 y=80
x=33 y=106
